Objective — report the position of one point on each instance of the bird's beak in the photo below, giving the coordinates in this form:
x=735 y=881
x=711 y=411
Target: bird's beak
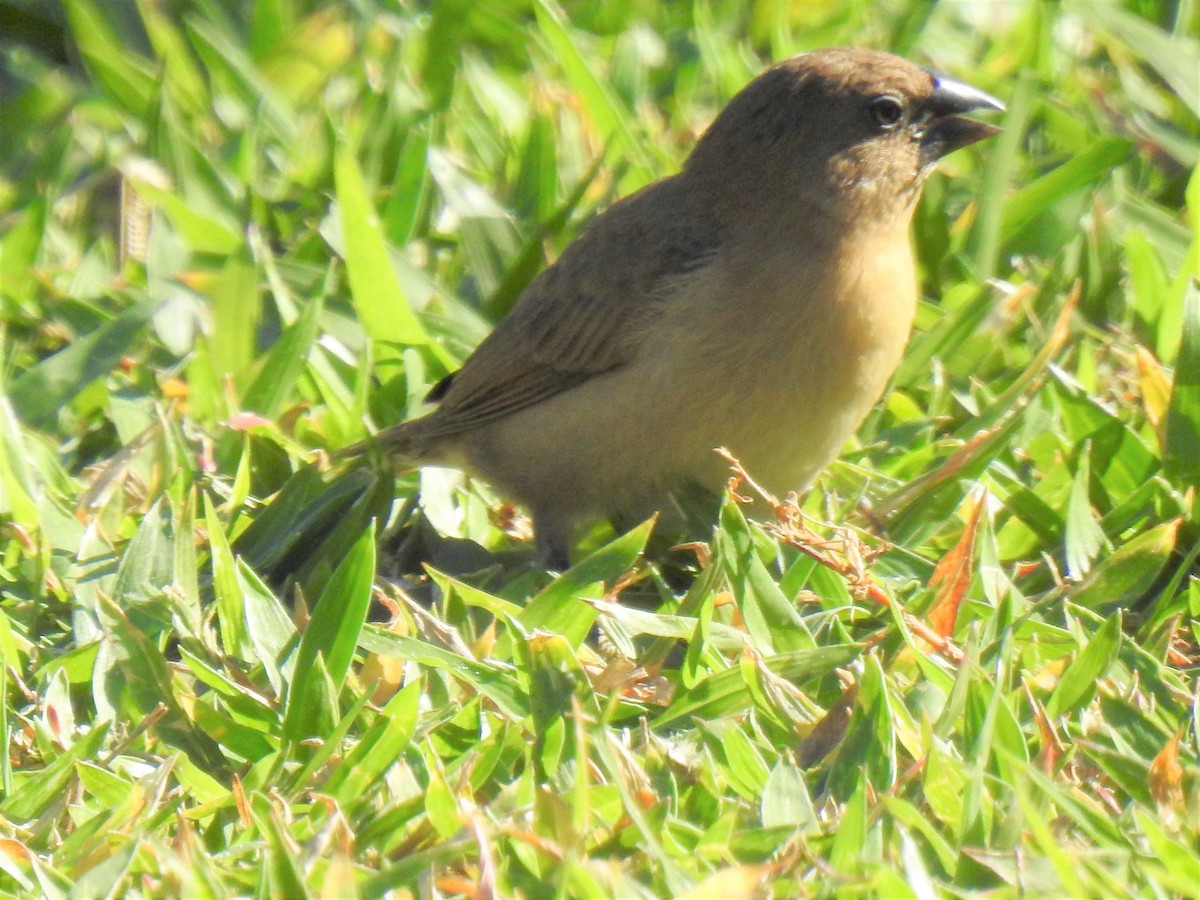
x=945 y=129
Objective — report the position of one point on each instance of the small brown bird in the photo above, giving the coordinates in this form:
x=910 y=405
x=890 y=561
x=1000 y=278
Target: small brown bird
x=758 y=300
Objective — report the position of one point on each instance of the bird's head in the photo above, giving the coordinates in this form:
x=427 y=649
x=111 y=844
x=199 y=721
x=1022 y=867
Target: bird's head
x=839 y=132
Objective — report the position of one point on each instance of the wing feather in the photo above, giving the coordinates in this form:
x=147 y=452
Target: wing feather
x=585 y=315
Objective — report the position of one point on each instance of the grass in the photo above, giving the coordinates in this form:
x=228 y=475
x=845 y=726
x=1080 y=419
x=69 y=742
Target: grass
x=234 y=234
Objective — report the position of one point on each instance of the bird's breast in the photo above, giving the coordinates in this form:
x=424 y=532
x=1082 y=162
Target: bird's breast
x=791 y=370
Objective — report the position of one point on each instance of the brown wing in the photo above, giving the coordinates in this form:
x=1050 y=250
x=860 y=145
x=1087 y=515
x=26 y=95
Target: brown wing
x=583 y=316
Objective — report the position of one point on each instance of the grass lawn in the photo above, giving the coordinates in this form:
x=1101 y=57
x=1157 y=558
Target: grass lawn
x=235 y=236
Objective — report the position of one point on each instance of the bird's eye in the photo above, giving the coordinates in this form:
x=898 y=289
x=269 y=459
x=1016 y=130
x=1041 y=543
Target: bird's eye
x=885 y=111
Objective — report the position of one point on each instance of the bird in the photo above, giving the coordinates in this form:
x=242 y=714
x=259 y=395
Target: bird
x=758 y=300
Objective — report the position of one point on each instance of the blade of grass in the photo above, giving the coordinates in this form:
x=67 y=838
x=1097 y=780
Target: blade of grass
x=42 y=390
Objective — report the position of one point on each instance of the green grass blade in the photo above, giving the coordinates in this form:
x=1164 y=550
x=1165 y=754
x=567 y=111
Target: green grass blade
x=237 y=308
x=559 y=608
x=385 y=741
x=383 y=310
x=37 y=790
x=332 y=633
x=44 y=389
x=772 y=621
x=1181 y=455
x=125 y=75
x=227 y=591
x=602 y=106
x=1078 y=682
x=726 y=691
x=146 y=679
x=275 y=382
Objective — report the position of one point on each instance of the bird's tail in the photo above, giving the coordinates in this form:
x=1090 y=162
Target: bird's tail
x=398 y=444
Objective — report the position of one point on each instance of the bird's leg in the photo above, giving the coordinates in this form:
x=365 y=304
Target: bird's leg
x=552 y=539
